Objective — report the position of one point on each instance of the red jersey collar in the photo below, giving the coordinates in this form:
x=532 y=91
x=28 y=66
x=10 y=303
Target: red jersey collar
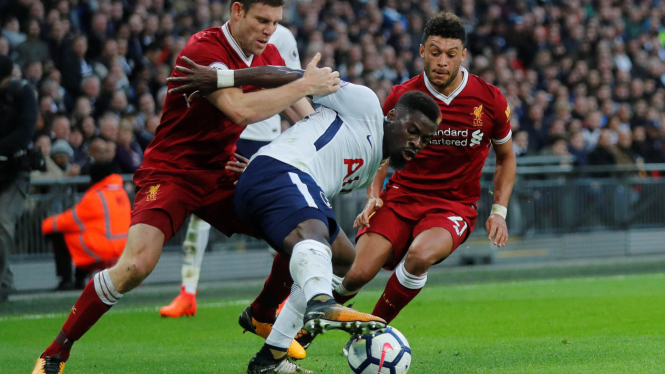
x=448 y=99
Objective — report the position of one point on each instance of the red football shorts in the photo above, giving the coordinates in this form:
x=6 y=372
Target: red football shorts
x=405 y=214
x=164 y=199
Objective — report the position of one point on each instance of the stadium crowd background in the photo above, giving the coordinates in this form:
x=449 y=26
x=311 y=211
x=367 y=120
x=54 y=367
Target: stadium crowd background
x=583 y=78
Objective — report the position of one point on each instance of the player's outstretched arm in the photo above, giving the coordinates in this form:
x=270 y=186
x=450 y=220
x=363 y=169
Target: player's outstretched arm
x=246 y=108
x=504 y=179
x=207 y=80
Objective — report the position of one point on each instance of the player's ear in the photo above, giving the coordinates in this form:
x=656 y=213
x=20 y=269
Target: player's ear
x=422 y=51
x=237 y=10
x=463 y=54
x=391 y=115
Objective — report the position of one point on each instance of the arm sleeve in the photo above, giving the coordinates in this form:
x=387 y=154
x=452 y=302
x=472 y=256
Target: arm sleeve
x=501 y=132
x=22 y=134
x=391 y=101
x=351 y=99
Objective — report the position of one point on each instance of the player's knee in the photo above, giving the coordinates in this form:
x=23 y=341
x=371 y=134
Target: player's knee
x=420 y=258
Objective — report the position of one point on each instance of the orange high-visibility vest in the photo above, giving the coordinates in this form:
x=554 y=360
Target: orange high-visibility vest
x=96 y=228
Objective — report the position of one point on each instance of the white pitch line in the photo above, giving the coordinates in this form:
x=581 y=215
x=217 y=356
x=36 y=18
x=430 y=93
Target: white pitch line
x=148 y=309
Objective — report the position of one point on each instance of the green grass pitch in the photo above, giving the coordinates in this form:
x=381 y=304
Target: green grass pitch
x=603 y=325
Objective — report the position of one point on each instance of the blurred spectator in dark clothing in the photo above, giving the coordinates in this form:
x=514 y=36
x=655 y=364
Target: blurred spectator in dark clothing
x=82 y=109
x=521 y=143
x=533 y=124
x=98 y=149
x=61 y=128
x=76 y=67
x=146 y=109
x=33 y=49
x=88 y=128
x=108 y=127
x=577 y=148
x=623 y=153
x=129 y=154
x=97 y=36
x=79 y=148
x=603 y=154
x=640 y=146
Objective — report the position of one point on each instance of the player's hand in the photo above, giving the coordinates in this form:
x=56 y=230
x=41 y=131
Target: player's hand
x=237 y=166
x=497 y=229
x=320 y=81
x=372 y=205
x=199 y=80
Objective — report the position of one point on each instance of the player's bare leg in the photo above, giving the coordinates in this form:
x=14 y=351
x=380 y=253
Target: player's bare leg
x=194 y=246
x=144 y=246
x=428 y=248
x=372 y=251
x=311 y=299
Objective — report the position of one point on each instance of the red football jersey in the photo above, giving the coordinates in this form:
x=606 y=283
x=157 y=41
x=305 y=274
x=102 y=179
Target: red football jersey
x=474 y=115
x=197 y=135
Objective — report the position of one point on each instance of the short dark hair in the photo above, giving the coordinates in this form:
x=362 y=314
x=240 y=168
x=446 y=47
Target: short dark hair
x=246 y=4
x=418 y=101
x=445 y=25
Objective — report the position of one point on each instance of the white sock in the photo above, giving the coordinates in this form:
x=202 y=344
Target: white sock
x=336 y=281
x=193 y=248
x=311 y=268
x=105 y=288
x=408 y=280
x=343 y=291
x=289 y=321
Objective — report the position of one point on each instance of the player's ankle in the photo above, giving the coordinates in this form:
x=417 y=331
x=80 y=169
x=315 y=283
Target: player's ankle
x=319 y=298
x=273 y=352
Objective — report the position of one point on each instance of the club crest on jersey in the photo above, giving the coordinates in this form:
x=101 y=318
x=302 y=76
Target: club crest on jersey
x=325 y=200
x=507 y=112
x=152 y=193
x=219 y=66
x=478 y=113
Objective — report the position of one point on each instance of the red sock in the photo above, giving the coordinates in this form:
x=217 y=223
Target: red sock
x=85 y=313
x=343 y=299
x=394 y=299
x=276 y=289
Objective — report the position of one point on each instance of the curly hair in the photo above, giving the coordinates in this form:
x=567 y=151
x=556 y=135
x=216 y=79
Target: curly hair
x=445 y=25
x=416 y=101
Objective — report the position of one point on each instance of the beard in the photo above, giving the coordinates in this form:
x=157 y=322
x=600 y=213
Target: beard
x=445 y=84
x=397 y=160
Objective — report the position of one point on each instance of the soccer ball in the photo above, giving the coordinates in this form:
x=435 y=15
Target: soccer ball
x=387 y=353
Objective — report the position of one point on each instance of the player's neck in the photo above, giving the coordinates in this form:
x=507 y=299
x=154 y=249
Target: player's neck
x=447 y=90
x=233 y=29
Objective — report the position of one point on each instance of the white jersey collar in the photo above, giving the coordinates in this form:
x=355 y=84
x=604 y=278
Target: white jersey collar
x=448 y=99
x=236 y=47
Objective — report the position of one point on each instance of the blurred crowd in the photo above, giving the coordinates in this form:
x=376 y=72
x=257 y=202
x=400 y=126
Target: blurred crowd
x=583 y=78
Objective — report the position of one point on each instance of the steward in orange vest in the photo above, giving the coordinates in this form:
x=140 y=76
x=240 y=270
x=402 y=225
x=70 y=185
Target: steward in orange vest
x=95 y=229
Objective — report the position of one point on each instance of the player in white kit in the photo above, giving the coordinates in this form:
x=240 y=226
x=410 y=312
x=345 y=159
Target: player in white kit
x=283 y=193
x=198 y=231
x=285 y=189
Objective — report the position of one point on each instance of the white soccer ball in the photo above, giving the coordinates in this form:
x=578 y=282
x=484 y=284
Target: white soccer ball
x=387 y=353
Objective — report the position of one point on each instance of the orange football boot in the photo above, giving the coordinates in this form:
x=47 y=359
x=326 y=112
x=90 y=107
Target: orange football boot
x=49 y=365
x=262 y=329
x=183 y=305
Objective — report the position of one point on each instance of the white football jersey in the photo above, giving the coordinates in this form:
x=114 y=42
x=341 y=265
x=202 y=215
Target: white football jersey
x=270 y=128
x=340 y=145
